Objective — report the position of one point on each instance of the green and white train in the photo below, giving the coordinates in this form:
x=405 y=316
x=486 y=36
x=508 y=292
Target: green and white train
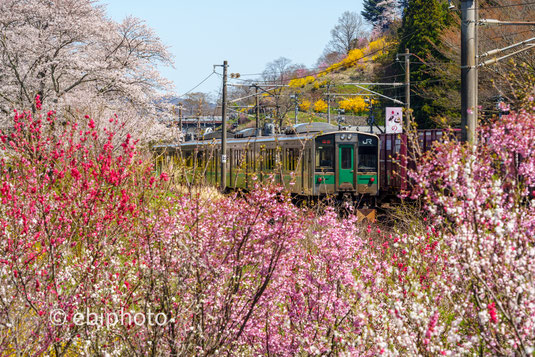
x=314 y=159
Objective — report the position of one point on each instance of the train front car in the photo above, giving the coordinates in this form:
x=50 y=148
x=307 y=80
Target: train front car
x=346 y=164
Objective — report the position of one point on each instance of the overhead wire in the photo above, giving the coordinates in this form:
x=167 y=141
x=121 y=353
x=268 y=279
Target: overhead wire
x=204 y=80
x=340 y=65
x=502 y=36
x=355 y=61
x=506 y=6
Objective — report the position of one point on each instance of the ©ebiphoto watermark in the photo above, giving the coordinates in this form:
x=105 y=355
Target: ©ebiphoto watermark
x=59 y=317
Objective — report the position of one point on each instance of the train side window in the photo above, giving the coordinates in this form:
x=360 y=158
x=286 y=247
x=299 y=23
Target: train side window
x=189 y=158
x=268 y=154
x=249 y=158
x=291 y=159
x=242 y=159
x=262 y=158
x=269 y=159
x=200 y=158
x=238 y=158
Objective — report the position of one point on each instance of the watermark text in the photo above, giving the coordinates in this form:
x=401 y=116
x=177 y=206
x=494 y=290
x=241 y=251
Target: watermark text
x=59 y=317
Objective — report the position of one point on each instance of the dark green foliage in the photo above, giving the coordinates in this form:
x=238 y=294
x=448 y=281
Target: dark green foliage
x=375 y=14
x=371 y=12
x=423 y=24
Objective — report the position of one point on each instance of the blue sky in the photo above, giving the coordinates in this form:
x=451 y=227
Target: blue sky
x=248 y=34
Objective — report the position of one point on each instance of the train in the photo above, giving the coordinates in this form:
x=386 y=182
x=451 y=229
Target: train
x=310 y=160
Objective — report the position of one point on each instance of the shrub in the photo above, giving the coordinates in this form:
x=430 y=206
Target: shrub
x=93 y=243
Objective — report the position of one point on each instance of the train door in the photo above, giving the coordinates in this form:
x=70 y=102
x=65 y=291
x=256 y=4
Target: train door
x=346 y=154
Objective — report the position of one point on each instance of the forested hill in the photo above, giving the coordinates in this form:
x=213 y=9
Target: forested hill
x=370 y=48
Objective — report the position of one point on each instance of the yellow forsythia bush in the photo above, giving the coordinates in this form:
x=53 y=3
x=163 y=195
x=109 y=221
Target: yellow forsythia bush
x=320 y=106
x=359 y=55
x=305 y=105
x=355 y=104
x=301 y=82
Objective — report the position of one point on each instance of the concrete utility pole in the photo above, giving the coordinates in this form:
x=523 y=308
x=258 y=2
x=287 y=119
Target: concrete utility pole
x=407 y=89
x=407 y=85
x=329 y=103
x=199 y=113
x=257 y=112
x=224 y=129
x=296 y=106
x=371 y=118
x=180 y=107
x=469 y=71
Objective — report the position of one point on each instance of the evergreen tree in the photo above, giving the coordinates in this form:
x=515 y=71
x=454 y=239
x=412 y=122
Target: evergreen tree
x=403 y=4
x=371 y=12
x=381 y=13
x=423 y=24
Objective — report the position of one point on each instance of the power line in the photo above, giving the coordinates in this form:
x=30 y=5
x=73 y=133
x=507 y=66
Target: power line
x=204 y=80
x=357 y=61
x=503 y=36
x=250 y=74
x=506 y=6
x=317 y=70
x=390 y=76
x=497 y=7
x=340 y=65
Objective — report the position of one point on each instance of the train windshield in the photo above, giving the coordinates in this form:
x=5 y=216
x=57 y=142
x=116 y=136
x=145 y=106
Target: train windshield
x=325 y=153
x=367 y=156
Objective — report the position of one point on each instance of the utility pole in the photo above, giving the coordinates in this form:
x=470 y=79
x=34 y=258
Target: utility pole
x=371 y=118
x=199 y=112
x=180 y=121
x=329 y=103
x=257 y=111
x=224 y=129
x=407 y=89
x=407 y=85
x=180 y=107
x=296 y=106
x=277 y=111
x=469 y=71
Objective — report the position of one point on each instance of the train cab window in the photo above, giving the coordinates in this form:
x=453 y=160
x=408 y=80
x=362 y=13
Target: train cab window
x=367 y=155
x=325 y=153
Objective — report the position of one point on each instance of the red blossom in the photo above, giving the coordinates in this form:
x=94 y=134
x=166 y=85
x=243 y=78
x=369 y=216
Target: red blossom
x=38 y=104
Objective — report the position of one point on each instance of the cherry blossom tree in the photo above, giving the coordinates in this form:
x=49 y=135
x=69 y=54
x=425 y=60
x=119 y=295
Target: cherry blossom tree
x=66 y=51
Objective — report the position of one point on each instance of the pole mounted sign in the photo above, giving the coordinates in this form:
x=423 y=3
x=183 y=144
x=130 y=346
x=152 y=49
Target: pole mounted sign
x=394 y=120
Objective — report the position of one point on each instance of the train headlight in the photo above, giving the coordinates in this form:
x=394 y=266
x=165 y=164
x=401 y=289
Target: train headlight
x=349 y=136
x=343 y=136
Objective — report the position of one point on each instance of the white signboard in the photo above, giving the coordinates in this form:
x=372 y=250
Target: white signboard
x=394 y=120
